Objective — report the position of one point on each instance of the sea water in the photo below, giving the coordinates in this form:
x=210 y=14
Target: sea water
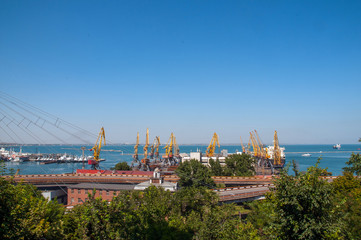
x=332 y=159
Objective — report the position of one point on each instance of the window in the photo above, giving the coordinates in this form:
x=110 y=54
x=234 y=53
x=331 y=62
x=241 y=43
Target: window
x=79 y=200
x=107 y=192
x=79 y=191
x=72 y=190
x=72 y=200
x=100 y=192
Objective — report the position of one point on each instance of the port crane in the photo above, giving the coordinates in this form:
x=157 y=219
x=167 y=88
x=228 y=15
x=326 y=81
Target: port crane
x=145 y=160
x=135 y=161
x=264 y=154
x=96 y=149
x=170 y=149
x=154 y=149
x=254 y=145
x=212 y=145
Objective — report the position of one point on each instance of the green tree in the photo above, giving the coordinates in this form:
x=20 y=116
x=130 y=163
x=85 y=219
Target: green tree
x=122 y=166
x=239 y=165
x=215 y=167
x=194 y=173
x=346 y=183
x=263 y=216
x=348 y=204
x=304 y=206
x=354 y=164
x=26 y=214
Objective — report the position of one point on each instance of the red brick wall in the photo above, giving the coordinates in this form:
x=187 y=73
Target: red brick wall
x=74 y=197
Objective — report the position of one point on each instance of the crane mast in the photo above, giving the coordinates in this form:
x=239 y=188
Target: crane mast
x=145 y=160
x=276 y=149
x=157 y=140
x=154 y=149
x=169 y=147
x=212 y=145
x=146 y=145
x=135 y=161
x=96 y=149
x=136 y=147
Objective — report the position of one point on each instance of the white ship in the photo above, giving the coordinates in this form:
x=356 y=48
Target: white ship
x=337 y=146
x=270 y=152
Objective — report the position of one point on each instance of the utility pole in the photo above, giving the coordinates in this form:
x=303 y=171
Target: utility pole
x=83 y=148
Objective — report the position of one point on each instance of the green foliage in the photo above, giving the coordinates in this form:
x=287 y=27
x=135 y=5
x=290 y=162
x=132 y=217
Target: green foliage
x=122 y=166
x=354 y=164
x=304 y=206
x=348 y=201
x=263 y=216
x=26 y=214
x=351 y=212
x=215 y=167
x=239 y=165
x=346 y=183
x=193 y=173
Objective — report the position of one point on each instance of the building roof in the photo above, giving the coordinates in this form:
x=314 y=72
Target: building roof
x=102 y=186
x=89 y=171
x=166 y=185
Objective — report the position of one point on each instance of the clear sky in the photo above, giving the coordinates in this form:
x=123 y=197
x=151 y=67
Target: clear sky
x=189 y=67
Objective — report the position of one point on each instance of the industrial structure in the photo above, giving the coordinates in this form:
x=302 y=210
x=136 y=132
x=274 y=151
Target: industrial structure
x=94 y=162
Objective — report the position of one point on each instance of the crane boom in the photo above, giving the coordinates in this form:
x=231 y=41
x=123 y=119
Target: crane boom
x=255 y=146
x=96 y=149
x=212 y=145
x=169 y=147
x=260 y=144
x=98 y=145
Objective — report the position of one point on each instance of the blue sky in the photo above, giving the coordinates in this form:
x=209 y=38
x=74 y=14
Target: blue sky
x=189 y=67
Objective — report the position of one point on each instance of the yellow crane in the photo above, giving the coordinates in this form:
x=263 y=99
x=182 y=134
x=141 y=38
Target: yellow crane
x=212 y=145
x=146 y=145
x=256 y=150
x=276 y=150
x=96 y=149
x=169 y=147
x=243 y=148
x=145 y=160
x=157 y=147
x=154 y=149
x=135 y=156
x=263 y=150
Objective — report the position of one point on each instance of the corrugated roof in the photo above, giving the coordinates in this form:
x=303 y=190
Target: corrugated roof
x=100 y=186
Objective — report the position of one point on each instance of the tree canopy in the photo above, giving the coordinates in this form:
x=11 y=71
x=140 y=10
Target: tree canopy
x=354 y=164
x=122 y=166
x=239 y=165
x=194 y=173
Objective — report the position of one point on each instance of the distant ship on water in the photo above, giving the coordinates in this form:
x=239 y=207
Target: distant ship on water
x=337 y=146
